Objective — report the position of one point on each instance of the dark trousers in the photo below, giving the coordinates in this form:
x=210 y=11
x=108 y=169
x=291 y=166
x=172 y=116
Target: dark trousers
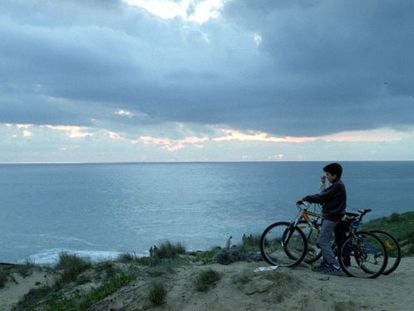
x=340 y=236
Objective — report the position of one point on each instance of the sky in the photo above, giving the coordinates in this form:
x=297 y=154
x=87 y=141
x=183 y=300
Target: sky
x=206 y=80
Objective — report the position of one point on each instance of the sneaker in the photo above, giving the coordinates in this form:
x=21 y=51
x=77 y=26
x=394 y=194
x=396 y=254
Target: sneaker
x=332 y=270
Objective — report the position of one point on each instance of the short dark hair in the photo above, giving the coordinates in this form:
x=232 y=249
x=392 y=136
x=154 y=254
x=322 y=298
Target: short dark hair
x=334 y=169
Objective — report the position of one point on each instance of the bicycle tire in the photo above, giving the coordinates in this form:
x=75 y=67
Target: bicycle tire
x=273 y=240
x=358 y=246
x=391 y=250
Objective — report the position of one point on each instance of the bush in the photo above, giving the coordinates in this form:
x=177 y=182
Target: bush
x=157 y=293
x=72 y=266
x=206 y=257
x=251 y=240
x=33 y=297
x=228 y=256
x=3 y=279
x=25 y=269
x=127 y=257
x=168 y=250
x=108 y=288
x=395 y=217
x=148 y=261
x=205 y=279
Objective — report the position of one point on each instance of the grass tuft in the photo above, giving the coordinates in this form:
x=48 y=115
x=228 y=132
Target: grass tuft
x=168 y=250
x=251 y=241
x=72 y=265
x=25 y=269
x=106 y=289
x=3 y=279
x=206 y=279
x=157 y=293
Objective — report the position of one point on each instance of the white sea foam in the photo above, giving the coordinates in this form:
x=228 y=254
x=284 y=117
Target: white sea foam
x=51 y=256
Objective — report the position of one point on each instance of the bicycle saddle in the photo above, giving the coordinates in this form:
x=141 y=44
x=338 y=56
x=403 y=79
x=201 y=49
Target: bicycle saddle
x=352 y=214
x=349 y=217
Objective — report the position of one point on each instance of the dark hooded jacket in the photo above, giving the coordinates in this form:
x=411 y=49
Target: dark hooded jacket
x=333 y=200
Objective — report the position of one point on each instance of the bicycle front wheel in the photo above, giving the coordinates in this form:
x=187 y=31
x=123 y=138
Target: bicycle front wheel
x=363 y=255
x=311 y=233
x=282 y=244
x=393 y=250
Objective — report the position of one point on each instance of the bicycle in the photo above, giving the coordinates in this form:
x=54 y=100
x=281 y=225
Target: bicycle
x=311 y=229
x=285 y=244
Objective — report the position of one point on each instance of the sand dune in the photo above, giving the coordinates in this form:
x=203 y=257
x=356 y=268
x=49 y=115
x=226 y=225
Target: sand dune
x=240 y=288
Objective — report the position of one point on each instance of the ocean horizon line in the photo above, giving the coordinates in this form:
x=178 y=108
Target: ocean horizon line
x=193 y=162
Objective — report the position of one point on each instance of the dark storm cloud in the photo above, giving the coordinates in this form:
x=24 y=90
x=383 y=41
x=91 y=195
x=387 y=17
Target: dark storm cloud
x=320 y=67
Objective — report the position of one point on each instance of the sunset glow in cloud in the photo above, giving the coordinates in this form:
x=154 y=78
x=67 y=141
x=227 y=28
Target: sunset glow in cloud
x=206 y=80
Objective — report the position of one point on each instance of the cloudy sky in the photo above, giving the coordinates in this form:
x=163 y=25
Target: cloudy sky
x=206 y=80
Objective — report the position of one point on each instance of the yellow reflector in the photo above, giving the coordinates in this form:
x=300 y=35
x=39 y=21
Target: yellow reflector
x=388 y=245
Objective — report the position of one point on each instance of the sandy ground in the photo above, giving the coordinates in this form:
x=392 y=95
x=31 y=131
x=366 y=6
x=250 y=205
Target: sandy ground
x=15 y=290
x=283 y=289
x=240 y=288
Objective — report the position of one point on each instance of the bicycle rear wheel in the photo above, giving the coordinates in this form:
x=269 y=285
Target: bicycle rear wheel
x=367 y=257
x=393 y=250
x=282 y=244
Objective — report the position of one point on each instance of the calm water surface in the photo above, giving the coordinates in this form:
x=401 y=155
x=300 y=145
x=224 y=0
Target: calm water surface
x=103 y=209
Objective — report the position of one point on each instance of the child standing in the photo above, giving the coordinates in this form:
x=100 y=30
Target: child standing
x=333 y=200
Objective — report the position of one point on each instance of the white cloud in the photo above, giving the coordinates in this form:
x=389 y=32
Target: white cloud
x=172 y=145
x=113 y=135
x=71 y=131
x=257 y=38
x=375 y=135
x=279 y=156
x=188 y=10
x=23 y=126
x=124 y=113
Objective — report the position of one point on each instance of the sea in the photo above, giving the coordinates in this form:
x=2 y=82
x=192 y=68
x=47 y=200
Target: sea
x=103 y=210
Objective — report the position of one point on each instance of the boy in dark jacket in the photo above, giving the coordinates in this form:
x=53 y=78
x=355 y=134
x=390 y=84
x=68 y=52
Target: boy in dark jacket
x=333 y=200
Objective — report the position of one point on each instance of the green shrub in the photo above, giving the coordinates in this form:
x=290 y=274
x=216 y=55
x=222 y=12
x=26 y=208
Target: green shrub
x=25 y=269
x=47 y=298
x=106 y=289
x=205 y=279
x=206 y=257
x=395 y=217
x=145 y=261
x=157 y=293
x=107 y=267
x=168 y=250
x=251 y=240
x=3 y=279
x=72 y=266
x=228 y=256
x=148 y=261
x=127 y=257
x=33 y=297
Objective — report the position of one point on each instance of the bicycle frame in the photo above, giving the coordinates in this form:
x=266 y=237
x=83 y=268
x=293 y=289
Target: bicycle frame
x=309 y=217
